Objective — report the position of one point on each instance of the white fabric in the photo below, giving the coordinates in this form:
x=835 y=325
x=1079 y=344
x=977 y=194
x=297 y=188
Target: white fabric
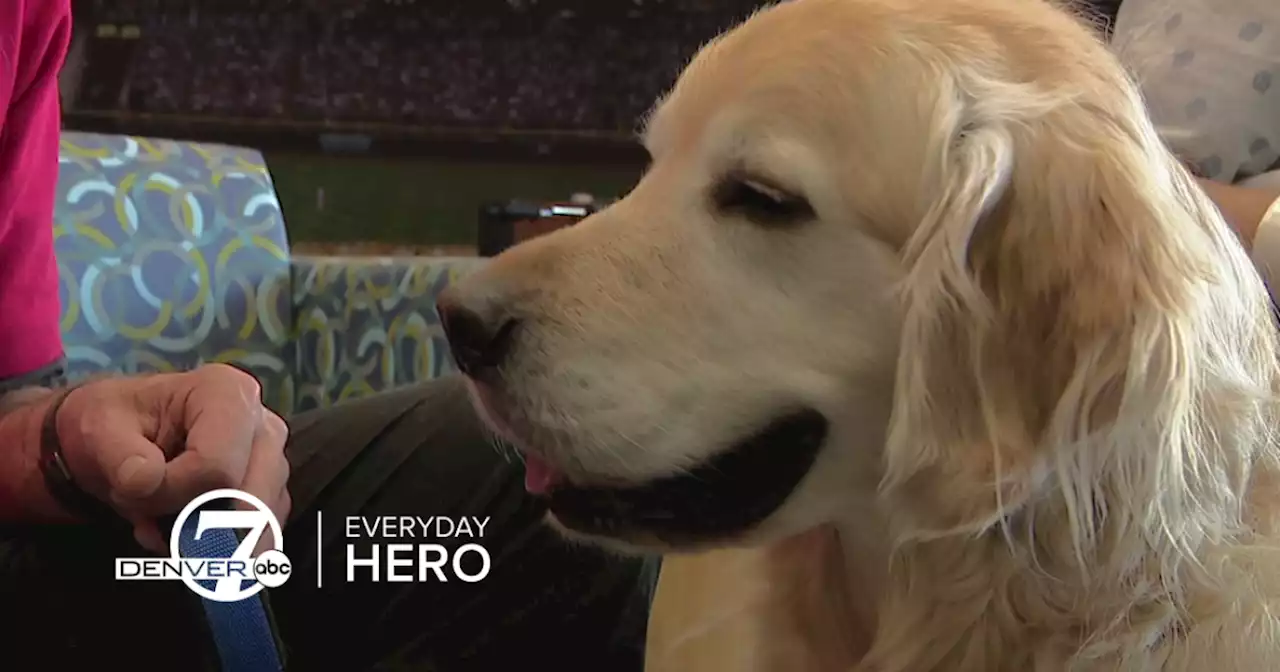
x=1210 y=71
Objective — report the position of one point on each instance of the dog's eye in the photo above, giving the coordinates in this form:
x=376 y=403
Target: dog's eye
x=759 y=202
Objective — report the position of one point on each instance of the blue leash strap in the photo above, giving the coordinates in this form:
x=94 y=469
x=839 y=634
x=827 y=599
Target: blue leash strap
x=242 y=631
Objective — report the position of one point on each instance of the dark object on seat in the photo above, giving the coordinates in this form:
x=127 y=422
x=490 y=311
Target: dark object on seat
x=1105 y=11
x=502 y=225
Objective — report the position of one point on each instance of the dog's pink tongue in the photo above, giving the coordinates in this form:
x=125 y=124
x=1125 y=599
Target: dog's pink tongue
x=538 y=475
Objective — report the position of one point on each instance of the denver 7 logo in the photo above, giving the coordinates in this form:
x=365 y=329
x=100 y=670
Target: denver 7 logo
x=211 y=552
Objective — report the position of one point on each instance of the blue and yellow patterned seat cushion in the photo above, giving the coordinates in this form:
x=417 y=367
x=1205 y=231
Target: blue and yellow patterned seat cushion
x=172 y=254
x=366 y=324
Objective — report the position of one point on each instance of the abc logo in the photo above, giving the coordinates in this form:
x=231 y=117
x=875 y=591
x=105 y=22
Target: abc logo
x=272 y=569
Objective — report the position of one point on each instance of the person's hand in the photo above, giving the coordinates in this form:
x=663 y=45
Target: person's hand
x=149 y=445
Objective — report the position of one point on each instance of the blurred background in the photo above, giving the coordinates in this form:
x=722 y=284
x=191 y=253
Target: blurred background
x=389 y=122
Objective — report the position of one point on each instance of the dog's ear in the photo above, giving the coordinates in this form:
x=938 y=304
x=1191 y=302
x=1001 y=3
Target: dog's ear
x=1079 y=322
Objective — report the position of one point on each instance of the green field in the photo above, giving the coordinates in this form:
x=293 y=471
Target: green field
x=417 y=201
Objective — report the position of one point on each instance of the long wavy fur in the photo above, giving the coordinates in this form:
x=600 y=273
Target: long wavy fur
x=1083 y=459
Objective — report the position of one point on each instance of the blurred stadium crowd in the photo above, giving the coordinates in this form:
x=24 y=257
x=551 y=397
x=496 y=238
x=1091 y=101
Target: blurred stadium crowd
x=526 y=64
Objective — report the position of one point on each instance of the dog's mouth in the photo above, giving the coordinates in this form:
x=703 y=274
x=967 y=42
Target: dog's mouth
x=721 y=499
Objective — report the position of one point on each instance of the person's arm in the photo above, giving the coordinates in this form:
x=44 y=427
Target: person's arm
x=111 y=440
x=1254 y=213
x=23 y=495
x=34 y=37
x=1244 y=208
x=144 y=445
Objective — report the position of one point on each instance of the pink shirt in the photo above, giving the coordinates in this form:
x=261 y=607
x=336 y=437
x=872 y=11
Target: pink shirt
x=34 y=35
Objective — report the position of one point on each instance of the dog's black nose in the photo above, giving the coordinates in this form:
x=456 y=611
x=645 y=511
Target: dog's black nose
x=476 y=342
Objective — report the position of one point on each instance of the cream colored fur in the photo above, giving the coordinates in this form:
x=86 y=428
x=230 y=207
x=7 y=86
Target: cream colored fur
x=1051 y=370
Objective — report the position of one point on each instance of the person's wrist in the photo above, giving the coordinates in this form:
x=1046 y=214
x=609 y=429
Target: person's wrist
x=21 y=481
x=61 y=483
x=22 y=398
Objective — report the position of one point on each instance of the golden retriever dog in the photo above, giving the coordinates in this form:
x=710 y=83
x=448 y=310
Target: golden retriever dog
x=920 y=273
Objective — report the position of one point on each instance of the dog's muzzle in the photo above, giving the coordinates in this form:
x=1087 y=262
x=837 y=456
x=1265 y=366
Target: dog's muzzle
x=718 y=500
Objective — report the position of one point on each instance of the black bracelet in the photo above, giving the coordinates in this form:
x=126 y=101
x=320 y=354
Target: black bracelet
x=57 y=476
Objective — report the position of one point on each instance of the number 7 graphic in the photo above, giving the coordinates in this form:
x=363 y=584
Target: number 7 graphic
x=255 y=522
